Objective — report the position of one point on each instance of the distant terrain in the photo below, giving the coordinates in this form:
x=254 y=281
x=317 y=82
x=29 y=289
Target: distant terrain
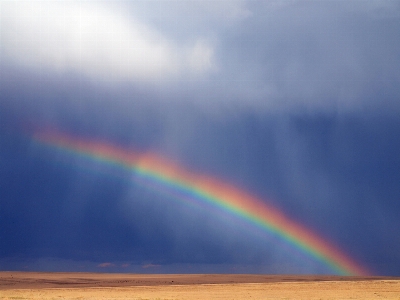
x=35 y=285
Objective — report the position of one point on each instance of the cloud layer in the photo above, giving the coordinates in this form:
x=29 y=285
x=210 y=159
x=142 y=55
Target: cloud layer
x=307 y=55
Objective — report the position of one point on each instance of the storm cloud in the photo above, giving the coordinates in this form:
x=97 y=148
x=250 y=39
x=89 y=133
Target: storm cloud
x=295 y=102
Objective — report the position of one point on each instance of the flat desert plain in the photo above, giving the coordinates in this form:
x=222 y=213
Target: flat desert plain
x=30 y=285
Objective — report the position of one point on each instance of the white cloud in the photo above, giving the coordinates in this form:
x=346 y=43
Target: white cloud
x=95 y=39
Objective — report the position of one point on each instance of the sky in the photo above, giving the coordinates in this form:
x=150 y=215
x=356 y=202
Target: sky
x=295 y=103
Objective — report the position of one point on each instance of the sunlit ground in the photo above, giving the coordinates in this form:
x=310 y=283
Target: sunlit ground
x=119 y=286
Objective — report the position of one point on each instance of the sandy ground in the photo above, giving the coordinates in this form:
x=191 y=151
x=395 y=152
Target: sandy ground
x=20 y=285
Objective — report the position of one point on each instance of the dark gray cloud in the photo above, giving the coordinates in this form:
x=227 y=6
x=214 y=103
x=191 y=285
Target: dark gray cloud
x=315 y=56
x=295 y=102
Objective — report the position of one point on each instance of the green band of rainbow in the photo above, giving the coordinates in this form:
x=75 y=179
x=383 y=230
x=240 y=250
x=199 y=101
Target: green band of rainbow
x=229 y=199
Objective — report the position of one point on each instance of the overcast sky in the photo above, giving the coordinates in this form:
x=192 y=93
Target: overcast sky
x=294 y=102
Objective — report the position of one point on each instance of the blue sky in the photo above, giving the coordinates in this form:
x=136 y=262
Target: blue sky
x=295 y=102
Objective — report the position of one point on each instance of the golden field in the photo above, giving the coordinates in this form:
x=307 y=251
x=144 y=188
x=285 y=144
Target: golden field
x=26 y=285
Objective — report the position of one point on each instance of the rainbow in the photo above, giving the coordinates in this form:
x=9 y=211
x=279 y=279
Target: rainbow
x=158 y=171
